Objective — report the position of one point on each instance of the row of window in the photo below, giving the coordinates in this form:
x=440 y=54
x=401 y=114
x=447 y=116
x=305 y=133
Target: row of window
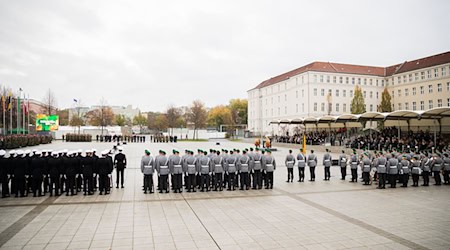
x=422 y=90
x=344 y=93
x=431 y=73
x=324 y=107
x=347 y=80
x=422 y=105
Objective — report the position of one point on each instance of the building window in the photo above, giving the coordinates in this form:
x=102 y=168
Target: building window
x=399 y=106
x=439 y=87
x=315 y=106
x=296 y=94
x=406 y=92
x=296 y=108
x=422 y=105
x=344 y=93
x=337 y=107
x=429 y=74
x=406 y=105
x=371 y=107
x=439 y=103
x=315 y=78
x=364 y=94
x=303 y=93
x=344 y=107
x=416 y=76
x=322 y=107
x=376 y=81
x=365 y=81
x=285 y=110
x=334 y=79
x=346 y=80
x=430 y=88
x=322 y=92
x=410 y=77
x=430 y=104
x=448 y=102
x=404 y=78
x=351 y=93
x=285 y=97
x=337 y=92
x=278 y=99
x=443 y=71
x=414 y=91
x=370 y=94
x=422 y=75
x=353 y=80
x=392 y=95
x=321 y=78
x=414 y=106
x=448 y=86
x=370 y=82
x=399 y=92
x=328 y=79
x=303 y=107
x=315 y=92
x=382 y=83
x=329 y=92
x=436 y=72
x=377 y=95
x=422 y=90
x=278 y=111
x=340 y=79
x=399 y=79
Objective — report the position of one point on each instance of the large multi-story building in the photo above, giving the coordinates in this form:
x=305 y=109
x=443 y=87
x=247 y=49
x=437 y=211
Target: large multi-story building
x=326 y=88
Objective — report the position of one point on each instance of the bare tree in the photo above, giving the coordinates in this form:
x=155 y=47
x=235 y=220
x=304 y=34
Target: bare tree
x=102 y=116
x=49 y=103
x=197 y=115
x=173 y=116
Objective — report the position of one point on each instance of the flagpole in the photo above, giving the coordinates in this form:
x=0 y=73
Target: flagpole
x=11 y=103
x=18 y=111
x=28 y=113
x=23 y=114
x=4 y=112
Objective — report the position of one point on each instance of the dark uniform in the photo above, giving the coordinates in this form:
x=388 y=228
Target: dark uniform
x=120 y=161
x=217 y=171
x=37 y=164
x=244 y=166
x=176 y=169
x=88 y=166
x=54 y=166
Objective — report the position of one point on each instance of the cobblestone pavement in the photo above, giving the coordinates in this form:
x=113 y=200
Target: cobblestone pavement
x=311 y=215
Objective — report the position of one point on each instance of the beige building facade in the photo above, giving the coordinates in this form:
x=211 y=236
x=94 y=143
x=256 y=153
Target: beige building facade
x=324 y=88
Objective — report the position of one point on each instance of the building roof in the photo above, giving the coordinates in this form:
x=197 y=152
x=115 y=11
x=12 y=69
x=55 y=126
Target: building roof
x=342 y=68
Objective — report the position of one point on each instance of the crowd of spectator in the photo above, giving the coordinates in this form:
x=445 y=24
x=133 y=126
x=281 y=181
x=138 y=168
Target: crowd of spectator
x=318 y=137
x=389 y=138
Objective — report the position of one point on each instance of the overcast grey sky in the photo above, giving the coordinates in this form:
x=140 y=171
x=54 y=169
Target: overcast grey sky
x=154 y=53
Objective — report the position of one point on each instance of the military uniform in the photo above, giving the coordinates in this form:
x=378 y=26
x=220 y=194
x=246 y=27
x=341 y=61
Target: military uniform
x=54 y=165
x=290 y=163
x=415 y=170
x=327 y=160
x=162 y=166
x=205 y=170
x=190 y=169
x=37 y=164
x=382 y=166
x=343 y=164
x=230 y=169
x=312 y=163
x=120 y=162
x=393 y=171
x=269 y=167
x=405 y=171
x=176 y=169
x=301 y=160
x=426 y=168
x=147 y=168
x=446 y=169
x=244 y=166
x=436 y=166
x=217 y=164
x=354 y=162
x=257 y=166
x=88 y=165
x=104 y=172
x=365 y=167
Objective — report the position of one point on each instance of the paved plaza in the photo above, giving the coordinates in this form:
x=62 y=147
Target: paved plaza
x=309 y=215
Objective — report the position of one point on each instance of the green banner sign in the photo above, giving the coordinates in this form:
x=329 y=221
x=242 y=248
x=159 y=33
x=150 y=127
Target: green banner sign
x=47 y=122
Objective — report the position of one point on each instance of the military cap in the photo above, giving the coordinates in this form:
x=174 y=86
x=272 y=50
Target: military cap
x=2 y=152
x=105 y=152
x=268 y=151
x=20 y=152
x=120 y=148
x=147 y=152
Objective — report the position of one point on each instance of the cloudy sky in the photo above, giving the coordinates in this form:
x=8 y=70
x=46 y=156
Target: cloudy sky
x=154 y=53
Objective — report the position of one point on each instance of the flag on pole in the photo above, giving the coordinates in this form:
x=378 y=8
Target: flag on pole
x=75 y=100
x=9 y=101
x=304 y=144
x=3 y=103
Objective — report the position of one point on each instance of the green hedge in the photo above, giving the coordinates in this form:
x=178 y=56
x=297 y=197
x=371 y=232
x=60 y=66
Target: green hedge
x=78 y=137
x=19 y=141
